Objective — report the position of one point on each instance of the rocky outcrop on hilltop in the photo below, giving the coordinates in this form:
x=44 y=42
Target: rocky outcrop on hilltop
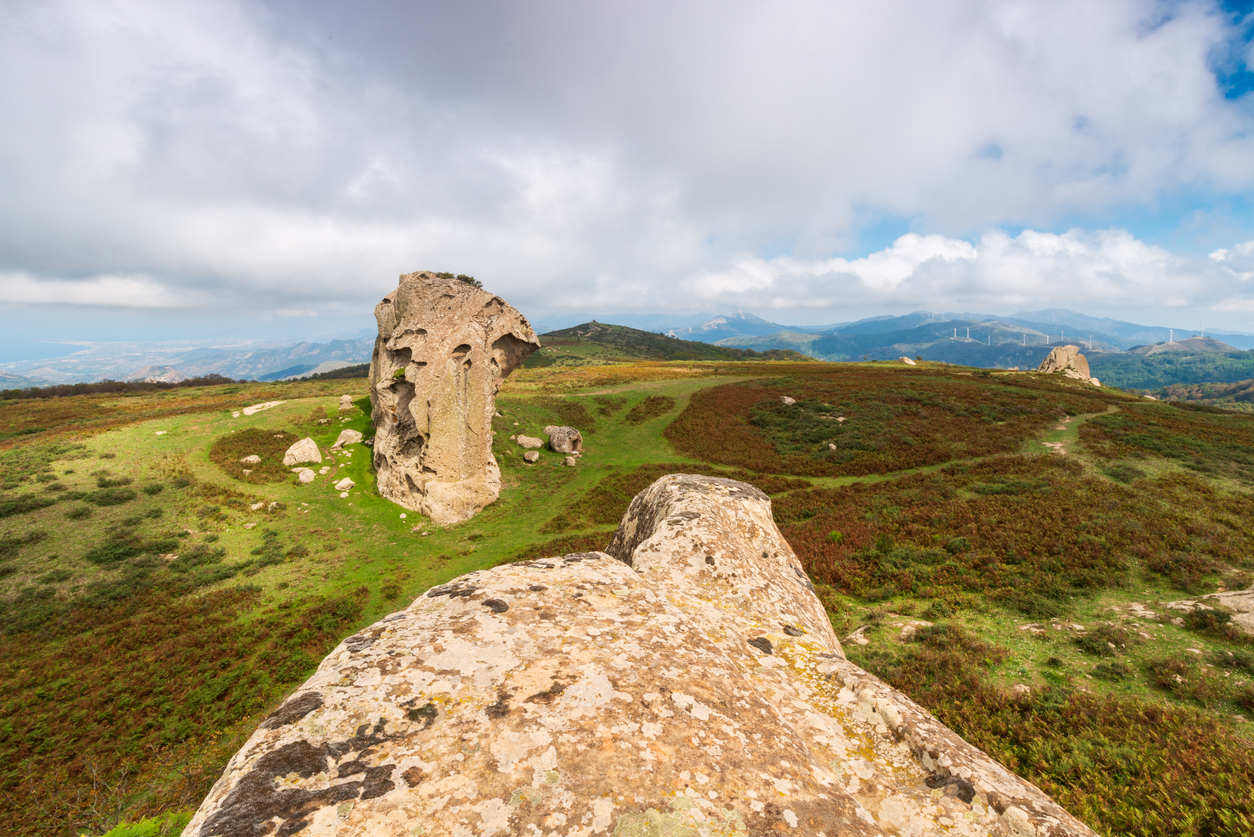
x=443 y=349
x=1068 y=361
x=685 y=682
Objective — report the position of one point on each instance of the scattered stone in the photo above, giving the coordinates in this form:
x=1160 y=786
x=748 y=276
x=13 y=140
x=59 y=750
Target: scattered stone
x=306 y=476
x=306 y=450
x=564 y=439
x=324 y=421
x=161 y=432
x=343 y=494
x=258 y=506
x=252 y=459
x=1021 y=690
x=443 y=349
x=344 y=484
x=787 y=400
x=347 y=437
x=909 y=629
x=346 y=402
x=1068 y=361
x=530 y=442
x=257 y=408
x=859 y=636
x=247 y=471
x=831 y=446
x=907 y=361
x=596 y=686
x=250 y=525
x=403 y=515
x=569 y=461
x=532 y=456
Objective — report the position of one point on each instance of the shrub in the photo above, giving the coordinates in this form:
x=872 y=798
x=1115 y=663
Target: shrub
x=23 y=504
x=78 y=513
x=1106 y=640
x=649 y=408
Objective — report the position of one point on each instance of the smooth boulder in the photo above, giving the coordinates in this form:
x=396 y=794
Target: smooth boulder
x=530 y=442
x=442 y=351
x=346 y=402
x=564 y=439
x=346 y=437
x=306 y=450
x=684 y=682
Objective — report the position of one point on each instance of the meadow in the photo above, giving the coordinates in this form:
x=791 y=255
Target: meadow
x=1002 y=547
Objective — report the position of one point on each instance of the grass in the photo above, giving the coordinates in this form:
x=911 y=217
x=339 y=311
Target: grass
x=146 y=637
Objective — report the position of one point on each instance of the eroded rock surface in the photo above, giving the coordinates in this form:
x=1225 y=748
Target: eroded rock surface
x=443 y=349
x=686 y=682
x=1068 y=361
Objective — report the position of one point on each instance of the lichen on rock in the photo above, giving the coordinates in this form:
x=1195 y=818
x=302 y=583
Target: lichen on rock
x=685 y=682
x=443 y=349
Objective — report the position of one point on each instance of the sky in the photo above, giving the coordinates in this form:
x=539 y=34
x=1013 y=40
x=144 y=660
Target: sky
x=179 y=168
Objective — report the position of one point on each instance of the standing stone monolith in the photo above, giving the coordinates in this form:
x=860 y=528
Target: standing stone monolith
x=443 y=349
x=1068 y=361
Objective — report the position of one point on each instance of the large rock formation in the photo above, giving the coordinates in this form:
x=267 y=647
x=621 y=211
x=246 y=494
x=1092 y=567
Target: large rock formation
x=1068 y=361
x=691 y=687
x=442 y=351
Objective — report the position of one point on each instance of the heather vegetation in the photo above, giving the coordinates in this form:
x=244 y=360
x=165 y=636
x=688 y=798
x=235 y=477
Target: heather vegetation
x=1005 y=546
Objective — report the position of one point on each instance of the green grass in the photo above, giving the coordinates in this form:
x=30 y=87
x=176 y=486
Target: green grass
x=158 y=601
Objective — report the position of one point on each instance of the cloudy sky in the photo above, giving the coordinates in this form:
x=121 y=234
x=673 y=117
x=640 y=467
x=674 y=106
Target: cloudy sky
x=196 y=167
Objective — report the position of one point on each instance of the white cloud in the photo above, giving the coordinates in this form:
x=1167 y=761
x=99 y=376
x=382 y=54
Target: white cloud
x=300 y=156
x=1109 y=268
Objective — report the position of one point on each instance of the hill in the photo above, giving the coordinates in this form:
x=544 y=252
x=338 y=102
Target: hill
x=1006 y=548
x=594 y=342
x=1152 y=370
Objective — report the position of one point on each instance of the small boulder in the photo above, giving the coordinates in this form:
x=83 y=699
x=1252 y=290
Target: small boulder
x=347 y=437
x=532 y=456
x=907 y=361
x=346 y=402
x=306 y=476
x=564 y=439
x=306 y=450
x=344 y=484
x=787 y=400
x=530 y=442
x=252 y=459
x=569 y=461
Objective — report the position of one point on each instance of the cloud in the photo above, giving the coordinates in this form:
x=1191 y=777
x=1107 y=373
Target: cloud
x=1109 y=269
x=299 y=156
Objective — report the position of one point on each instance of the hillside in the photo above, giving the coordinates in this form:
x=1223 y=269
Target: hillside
x=1031 y=532
x=1154 y=370
x=594 y=342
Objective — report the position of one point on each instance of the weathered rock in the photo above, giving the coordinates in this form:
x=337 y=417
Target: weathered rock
x=691 y=687
x=306 y=476
x=346 y=402
x=344 y=484
x=306 y=450
x=530 y=442
x=251 y=459
x=564 y=439
x=787 y=400
x=1068 y=361
x=442 y=351
x=907 y=361
x=346 y=437
x=570 y=461
x=531 y=456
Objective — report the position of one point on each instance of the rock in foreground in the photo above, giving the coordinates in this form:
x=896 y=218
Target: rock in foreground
x=442 y=351
x=691 y=687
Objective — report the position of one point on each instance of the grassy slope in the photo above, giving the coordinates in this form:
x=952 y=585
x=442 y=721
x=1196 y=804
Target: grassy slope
x=601 y=342
x=344 y=562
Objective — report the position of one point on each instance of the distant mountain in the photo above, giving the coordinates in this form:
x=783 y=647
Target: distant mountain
x=724 y=327
x=595 y=342
x=1187 y=346
x=174 y=362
